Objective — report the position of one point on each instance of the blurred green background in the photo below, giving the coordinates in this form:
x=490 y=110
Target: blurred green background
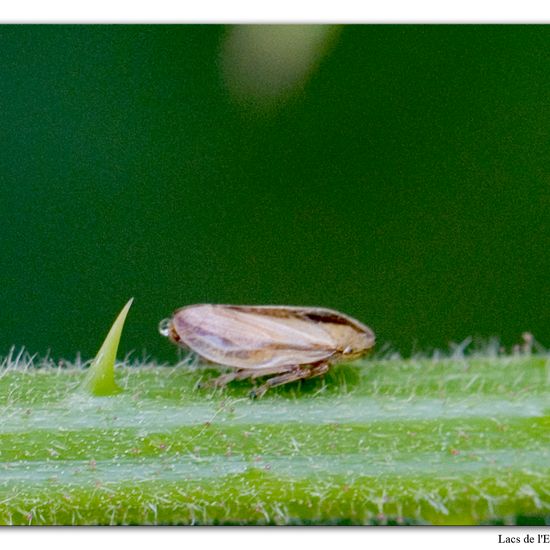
x=397 y=173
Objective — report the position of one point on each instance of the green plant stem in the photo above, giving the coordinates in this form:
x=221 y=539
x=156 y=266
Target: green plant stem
x=452 y=441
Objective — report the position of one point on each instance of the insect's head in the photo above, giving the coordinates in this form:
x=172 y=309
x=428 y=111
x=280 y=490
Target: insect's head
x=351 y=353
x=353 y=339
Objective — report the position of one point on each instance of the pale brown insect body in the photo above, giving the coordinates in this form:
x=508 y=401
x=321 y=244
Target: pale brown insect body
x=289 y=343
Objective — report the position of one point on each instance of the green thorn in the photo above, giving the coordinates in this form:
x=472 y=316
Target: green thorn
x=100 y=380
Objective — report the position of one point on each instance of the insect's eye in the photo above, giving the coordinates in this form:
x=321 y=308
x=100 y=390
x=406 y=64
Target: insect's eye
x=164 y=327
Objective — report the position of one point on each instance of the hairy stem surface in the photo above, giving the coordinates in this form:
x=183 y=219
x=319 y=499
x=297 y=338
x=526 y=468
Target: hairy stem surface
x=449 y=441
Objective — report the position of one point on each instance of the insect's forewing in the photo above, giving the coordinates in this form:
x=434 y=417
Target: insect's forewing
x=255 y=338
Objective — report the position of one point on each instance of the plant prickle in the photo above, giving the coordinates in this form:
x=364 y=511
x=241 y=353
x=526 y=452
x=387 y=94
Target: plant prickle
x=286 y=343
x=100 y=379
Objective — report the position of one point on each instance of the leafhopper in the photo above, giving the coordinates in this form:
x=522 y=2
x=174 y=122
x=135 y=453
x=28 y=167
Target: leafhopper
x=285 y=343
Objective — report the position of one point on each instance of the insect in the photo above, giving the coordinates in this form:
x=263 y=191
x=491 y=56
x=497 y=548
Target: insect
x=286 y=343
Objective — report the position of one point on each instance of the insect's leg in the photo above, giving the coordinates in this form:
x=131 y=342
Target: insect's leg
x=224 y=379
x=258 y=373
x=220 y=381
x=298 y=373
x=319 y=370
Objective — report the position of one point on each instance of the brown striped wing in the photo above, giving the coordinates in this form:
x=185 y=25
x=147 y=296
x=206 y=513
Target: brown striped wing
x=253 y=337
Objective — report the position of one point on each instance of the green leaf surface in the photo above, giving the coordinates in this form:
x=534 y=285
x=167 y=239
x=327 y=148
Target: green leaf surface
x=442 y=441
